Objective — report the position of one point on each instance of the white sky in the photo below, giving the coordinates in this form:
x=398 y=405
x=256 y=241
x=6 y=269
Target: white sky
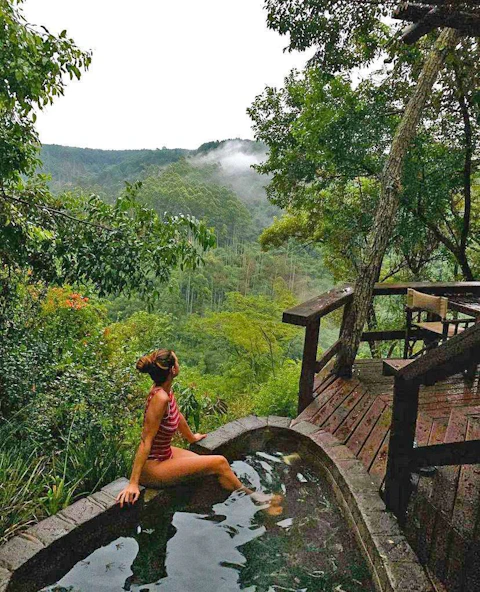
x=172 y=73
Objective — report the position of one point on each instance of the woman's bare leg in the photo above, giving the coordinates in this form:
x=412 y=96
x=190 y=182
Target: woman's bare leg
x=187 y=464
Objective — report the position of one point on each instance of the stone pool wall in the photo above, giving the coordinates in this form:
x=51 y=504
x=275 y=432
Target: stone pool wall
x=33 y=558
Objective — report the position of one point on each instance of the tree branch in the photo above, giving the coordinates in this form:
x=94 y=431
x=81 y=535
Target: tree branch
x=53 y=211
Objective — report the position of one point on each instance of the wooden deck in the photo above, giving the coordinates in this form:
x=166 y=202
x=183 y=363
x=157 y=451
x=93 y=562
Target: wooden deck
x=444 y=519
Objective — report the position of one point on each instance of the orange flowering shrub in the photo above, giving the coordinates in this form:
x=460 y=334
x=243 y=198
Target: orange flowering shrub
x=58 y=298
x=76 y=301
x=67 y=315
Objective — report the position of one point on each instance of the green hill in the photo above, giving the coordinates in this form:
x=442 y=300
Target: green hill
x=104 y=171
x=215 y=182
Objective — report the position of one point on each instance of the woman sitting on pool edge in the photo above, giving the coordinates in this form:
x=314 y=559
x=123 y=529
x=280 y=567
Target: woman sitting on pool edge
x=157 y=463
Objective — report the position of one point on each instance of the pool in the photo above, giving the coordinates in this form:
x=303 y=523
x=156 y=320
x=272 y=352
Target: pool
x=207 y=540
x=333 y=534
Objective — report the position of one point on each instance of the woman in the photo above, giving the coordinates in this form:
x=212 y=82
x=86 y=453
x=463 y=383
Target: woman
x=158 y=463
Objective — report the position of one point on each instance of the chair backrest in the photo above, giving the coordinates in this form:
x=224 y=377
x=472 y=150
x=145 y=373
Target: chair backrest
x=421 y=301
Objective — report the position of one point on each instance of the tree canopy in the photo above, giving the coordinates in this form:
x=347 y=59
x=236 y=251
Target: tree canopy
x=328 y=140
x=33 y=65
x=345 y=34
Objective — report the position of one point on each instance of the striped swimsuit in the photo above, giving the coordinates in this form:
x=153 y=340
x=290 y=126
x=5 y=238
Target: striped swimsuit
x=161 y=449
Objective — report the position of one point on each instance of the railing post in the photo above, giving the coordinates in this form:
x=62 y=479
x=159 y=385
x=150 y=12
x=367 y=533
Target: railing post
x=402 y=435
x=346 y=372
x=307 y=376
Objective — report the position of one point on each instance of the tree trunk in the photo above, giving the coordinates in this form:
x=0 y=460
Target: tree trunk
x=372 y=325
x=388 y=204
x=467 y=176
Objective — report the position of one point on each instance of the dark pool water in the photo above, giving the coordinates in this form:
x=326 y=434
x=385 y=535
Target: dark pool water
x=229 y=543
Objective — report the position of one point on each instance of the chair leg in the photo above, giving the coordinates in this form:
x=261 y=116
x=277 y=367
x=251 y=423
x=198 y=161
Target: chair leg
x=407 y=334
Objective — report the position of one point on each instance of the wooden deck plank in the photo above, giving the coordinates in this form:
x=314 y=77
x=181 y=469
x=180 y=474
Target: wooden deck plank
x=365 y=426
x=319 y=401
x=467 y=500
x=349 y=424
x=445 y=410
x=378 y=467
x=450 y=399
x=375 y=438
x=334 y=402
x=437 y=433
x=334 y=421
x=447 y=478
x=424 y=428
x=320 y=383
x=457 y=426
x=452 y=391
x=440 y=415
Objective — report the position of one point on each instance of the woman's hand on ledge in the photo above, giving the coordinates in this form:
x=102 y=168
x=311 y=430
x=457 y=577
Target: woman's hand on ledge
x=131 y=493
x=197 y=437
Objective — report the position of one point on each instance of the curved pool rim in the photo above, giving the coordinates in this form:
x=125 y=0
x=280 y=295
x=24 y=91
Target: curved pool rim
x=393 y=565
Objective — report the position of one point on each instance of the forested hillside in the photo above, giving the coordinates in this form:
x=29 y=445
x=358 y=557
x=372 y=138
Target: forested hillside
x=104 y=171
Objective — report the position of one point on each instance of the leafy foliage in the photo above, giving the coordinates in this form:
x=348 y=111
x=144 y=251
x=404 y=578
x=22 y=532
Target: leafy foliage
x=33 y=63
x=345 y=34
x=120 y=247
x=101 y=171
x=279 y=394
x=328 y=142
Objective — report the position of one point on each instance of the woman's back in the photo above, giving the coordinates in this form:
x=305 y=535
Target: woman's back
x=161 y=449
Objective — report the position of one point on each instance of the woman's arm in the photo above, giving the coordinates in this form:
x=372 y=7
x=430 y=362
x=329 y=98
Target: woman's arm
x=153 y=417
x=187 y=432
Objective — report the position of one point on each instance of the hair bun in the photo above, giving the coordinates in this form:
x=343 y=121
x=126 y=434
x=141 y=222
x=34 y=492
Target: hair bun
x=158 y=364
x=144 y=364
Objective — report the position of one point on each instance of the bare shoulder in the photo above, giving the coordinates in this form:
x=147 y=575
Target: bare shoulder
x=155 y=412
x=159 y=398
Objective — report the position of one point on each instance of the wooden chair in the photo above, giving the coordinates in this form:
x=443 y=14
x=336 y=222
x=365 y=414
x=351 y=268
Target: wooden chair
x=435 y=327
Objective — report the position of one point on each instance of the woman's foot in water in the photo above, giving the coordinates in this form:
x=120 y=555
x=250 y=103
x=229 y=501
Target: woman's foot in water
x=272 y=502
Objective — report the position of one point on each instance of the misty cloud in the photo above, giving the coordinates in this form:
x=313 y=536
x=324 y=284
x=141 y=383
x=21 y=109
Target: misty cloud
x=234 y=156
x=233 y=160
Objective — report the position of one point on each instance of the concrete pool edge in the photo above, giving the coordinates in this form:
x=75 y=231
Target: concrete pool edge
x=393 y=564
x=20 y=553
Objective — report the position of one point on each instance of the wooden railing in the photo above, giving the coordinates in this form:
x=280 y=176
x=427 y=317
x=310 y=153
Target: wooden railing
x=309 y=315
x=458 y=354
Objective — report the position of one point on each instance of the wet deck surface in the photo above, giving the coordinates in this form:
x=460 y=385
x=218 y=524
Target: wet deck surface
x=444 y=517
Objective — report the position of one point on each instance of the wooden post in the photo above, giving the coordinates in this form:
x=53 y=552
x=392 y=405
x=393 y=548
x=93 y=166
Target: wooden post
x=344 y=371
x=307 y=376
x=402 y=434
